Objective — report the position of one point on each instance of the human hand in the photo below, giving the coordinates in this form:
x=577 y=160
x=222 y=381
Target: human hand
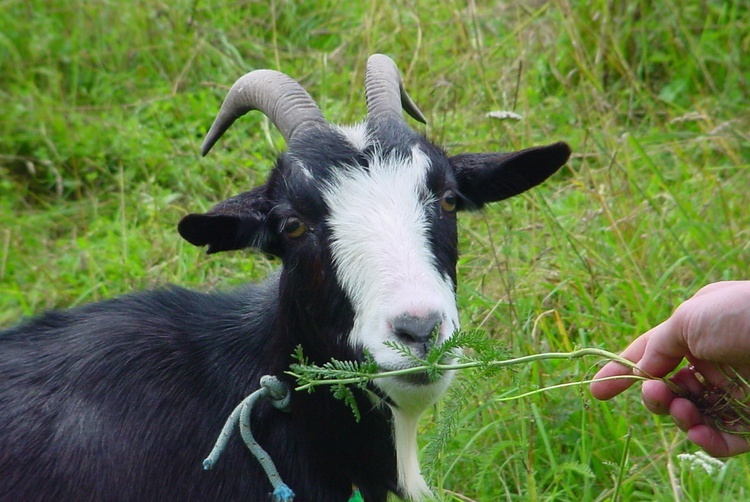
x=712 y=331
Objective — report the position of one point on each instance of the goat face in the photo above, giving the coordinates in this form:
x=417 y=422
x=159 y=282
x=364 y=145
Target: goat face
x=364 y=220
x=394 y=250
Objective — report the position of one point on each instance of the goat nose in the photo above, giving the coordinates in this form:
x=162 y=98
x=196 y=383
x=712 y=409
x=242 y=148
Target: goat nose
x=416 y=329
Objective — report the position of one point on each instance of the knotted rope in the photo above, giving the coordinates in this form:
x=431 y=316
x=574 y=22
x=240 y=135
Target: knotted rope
x=278 y=393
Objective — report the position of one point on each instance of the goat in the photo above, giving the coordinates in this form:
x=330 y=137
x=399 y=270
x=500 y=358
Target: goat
x=122 y=399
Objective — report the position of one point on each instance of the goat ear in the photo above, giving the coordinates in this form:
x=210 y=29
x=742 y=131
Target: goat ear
x=489 y=177
x=237 y=223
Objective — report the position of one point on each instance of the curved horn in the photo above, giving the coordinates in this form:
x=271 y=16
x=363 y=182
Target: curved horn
x=278 y=96
x=385 y=91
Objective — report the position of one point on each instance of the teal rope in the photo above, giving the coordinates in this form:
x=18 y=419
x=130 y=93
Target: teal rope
x=278 y=393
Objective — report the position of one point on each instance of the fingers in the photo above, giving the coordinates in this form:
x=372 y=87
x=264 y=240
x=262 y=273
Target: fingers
x=659 y=399
x=717 y=443
x=655 y=352
x=685 y=414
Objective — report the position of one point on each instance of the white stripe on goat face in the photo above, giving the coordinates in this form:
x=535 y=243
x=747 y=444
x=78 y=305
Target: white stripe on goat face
x=379 y=221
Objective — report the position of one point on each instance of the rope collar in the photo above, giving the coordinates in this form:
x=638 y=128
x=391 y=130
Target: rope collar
x=278 y=393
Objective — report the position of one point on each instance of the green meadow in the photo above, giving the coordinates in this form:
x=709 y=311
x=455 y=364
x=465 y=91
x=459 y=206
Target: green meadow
x=105 y=104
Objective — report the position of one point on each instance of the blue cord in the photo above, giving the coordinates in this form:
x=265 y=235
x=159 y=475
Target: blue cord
x=278 y=393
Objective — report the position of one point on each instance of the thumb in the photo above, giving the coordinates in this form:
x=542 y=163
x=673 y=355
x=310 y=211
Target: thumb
x=665 y=349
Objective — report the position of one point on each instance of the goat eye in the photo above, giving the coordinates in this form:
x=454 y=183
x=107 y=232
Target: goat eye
x=294 y=227
x=449 y=201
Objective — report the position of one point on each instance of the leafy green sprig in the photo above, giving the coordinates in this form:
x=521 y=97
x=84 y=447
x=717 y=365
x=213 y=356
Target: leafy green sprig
x=465 y=350
x=435 y=363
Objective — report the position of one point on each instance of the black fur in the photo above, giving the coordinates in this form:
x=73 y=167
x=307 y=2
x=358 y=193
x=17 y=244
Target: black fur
x=122 y=400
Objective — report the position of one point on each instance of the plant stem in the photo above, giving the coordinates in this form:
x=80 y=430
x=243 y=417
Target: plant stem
x=357 y=377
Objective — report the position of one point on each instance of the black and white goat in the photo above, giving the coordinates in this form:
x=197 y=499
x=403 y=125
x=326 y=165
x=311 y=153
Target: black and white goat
x=122 y=399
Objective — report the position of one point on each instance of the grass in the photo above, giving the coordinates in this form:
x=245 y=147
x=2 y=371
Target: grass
x=106 y=104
